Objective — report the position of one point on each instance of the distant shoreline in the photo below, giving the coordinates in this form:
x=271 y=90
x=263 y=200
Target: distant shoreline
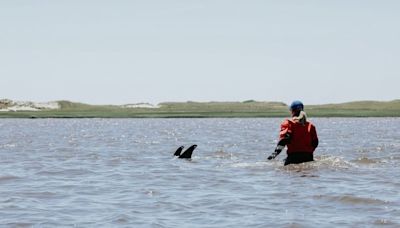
x=246 y=109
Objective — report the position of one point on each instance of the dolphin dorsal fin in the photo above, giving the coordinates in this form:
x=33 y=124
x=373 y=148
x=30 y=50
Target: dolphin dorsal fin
x=188 y=152
x=178 y=151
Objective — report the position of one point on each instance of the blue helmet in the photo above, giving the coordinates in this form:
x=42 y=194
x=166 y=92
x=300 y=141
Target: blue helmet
x=296 y=105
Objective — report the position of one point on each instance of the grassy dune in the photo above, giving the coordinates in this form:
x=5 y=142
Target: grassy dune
x=357 y=109
x=212 y=109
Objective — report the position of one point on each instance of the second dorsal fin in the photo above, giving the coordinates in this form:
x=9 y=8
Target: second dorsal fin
x=178 y=151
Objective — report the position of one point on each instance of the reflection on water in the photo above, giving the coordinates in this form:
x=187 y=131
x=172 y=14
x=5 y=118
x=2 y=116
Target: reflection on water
x=121 y=173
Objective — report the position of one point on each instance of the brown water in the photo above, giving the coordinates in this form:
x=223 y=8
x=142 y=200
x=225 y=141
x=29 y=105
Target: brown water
x=121 y=173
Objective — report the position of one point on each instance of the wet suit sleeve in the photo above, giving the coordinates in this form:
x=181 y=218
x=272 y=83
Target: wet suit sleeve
x=284 y=139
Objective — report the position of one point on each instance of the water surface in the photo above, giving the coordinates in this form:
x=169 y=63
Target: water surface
x=121 y=173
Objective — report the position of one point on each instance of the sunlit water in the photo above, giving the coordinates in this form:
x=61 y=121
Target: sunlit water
x=121 y=173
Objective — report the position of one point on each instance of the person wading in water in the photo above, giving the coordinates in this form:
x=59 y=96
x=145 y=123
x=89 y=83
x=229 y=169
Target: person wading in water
x=299 y=135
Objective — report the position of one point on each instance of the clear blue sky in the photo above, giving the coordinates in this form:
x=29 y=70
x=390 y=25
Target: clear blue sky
x=104 y=52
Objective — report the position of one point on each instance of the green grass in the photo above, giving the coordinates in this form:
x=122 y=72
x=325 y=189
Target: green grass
x=248 y=108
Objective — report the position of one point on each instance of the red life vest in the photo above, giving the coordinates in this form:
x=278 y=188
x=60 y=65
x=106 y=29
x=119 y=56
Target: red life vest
x=301 y=136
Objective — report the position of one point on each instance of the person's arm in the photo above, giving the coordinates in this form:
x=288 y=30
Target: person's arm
x=281 y=144
x=314 y=138
x=284 y=139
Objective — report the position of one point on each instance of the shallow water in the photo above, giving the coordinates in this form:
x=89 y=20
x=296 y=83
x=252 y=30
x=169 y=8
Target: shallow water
x=121 y=173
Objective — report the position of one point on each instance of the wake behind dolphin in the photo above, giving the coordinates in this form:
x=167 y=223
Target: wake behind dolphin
x=187 y=154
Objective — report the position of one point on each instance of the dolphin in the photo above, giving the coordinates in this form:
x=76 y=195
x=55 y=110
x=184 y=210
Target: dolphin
x=187 y=154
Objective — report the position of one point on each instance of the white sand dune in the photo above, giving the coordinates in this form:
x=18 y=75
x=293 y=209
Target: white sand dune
x=140 y=105
x=7 y=105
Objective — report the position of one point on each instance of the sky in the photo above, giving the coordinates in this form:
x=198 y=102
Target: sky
x=120 y=52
